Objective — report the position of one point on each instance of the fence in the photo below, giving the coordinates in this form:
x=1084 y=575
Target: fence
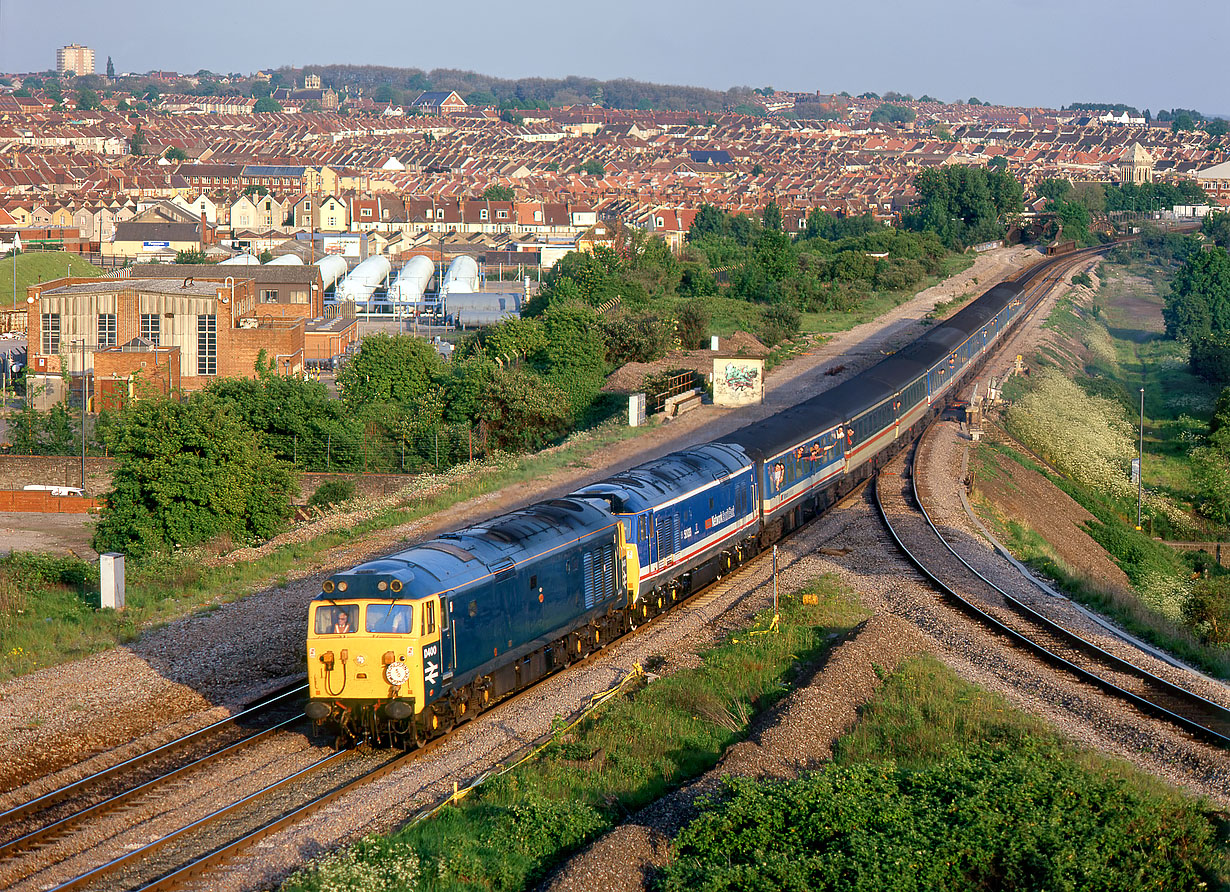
x=676 y=384
x=419 y=449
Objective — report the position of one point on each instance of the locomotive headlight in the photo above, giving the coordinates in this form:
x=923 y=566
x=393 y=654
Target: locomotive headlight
x=342 y=586
x=396 y=674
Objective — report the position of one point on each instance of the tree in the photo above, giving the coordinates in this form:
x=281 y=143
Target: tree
x=110 y=67
x=87 y=100
x=573 y=358
x=522 y=411
x=1217 y=127
x=771 y=216
x=757 y=169
x=1182 y=122
x=136 y=145
x=1210 y=358
x=593 y=167
x=175 y=153
x=1199 y=299
x=963 y=205
x=509 y=116
x=389 y=369
x=497 y=192
x=888 y=113
x=188 y=472
x=999 y=162
x=1216 y=227
x=192 y=255
x=267 y=105
x=1053 y=190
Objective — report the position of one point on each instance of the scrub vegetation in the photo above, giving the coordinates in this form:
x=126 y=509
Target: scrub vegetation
x=940 y=785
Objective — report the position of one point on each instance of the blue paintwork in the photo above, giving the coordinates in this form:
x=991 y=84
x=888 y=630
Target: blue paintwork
x=490 y=577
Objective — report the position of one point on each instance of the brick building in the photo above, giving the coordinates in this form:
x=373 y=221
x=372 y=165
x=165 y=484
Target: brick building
x=204 y=329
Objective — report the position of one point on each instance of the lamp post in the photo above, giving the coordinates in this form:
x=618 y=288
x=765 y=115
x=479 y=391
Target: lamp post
x=1140 y=461
x=83 y=402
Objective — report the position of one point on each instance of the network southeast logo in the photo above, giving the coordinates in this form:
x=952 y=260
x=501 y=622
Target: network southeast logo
x=728 y=514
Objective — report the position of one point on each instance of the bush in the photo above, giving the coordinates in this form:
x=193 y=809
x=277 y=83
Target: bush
x=332 y=492
x=693 y=325
x=629 y=338
x=781 y=321
x=1025 y=819
x=1208 y=609
x=1210 y=358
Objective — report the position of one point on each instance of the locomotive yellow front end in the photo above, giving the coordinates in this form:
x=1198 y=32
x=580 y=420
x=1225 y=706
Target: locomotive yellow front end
x=365 y=659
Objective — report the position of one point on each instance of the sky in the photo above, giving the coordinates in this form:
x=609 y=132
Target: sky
x=1047 y=53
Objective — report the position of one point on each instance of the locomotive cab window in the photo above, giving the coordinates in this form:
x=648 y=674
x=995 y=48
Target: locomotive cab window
x=533 y=583
x=337 y=619
x=390 y=619
x=429 y=617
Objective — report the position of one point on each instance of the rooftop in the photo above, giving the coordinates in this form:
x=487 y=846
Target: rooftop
x=149 y=286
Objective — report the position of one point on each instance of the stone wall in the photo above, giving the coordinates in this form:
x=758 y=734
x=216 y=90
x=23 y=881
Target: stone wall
x=17 y=471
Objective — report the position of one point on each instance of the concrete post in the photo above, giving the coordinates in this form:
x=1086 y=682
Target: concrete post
x=111 y=571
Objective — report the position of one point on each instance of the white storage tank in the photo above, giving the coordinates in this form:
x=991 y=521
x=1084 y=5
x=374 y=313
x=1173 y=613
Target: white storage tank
x=413 y=279
x=286 y=260
x=241 y=260
x=332 y=268
x=364 y=279
x=462 y=276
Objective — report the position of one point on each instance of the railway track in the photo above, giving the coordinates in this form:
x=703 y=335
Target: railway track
x=34 y=831
x=144 y=858
x=917 y=536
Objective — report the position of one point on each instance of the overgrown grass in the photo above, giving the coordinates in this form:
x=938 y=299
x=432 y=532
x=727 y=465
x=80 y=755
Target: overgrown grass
x=59 y=622
x=1155 y=570
x=39 y=266
x=515 y=828
x=943 y=786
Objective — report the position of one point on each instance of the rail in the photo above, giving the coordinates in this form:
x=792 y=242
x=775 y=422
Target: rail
x=1216 y=723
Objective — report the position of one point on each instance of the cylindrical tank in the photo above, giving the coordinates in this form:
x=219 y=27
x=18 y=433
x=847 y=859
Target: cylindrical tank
x=412 y=281
x=462 y=276
x=332 y=268
x=483 y=308
x=241 y=260
x=364 y=279
x=286 y=260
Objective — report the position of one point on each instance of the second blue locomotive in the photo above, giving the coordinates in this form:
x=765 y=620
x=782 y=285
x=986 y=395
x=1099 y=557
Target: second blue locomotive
x=402 y=648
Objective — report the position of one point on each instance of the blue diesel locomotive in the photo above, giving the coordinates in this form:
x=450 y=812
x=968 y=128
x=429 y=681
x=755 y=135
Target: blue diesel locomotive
x=402 y=648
